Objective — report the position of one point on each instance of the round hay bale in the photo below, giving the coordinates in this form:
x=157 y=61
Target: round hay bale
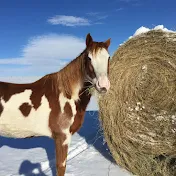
x=138 y=114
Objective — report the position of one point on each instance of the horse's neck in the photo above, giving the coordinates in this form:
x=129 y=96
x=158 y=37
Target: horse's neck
x=84 y=97
x=71 y=77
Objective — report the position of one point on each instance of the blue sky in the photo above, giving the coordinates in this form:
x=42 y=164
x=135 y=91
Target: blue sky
x=40 y=36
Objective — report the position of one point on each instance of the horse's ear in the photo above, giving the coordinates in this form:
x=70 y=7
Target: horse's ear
x=107 y=43
x=89 y=40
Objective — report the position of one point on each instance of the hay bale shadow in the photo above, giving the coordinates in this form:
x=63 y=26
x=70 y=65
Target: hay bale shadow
x=92 y=132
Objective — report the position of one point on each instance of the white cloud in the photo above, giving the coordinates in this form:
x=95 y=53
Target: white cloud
x=44 y=54
x=119 y=9
x=92 y=13
x=20 y=79
x=18 y=61
x=101 y=17
x=97 y=16
x=78 y=21
x=68 y=20
x=128 y=0
x=53 y=47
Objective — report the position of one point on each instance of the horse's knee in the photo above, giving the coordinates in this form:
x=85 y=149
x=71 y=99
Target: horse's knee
x=61 y=164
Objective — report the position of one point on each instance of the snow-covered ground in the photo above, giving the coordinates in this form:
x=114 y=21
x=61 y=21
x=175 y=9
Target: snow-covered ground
x=88 y=154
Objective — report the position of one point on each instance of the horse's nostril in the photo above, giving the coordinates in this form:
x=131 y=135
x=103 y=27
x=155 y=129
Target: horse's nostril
x=99 y=84
x=103 y=90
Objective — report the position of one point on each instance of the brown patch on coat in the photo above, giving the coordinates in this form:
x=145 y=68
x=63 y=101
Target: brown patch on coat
x=46 y=86
x=25 y=109
x=108 y=65
x=52 y=95
x=78 y=121
x=81 y=109
x=1 y=108
x=61 y=154
x=89 y=69
x=9 y=89
x=68 y=110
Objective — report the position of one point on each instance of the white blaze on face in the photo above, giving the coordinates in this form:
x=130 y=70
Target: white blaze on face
x=99 y=62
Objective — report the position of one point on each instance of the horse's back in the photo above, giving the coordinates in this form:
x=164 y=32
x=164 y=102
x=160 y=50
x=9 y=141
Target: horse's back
x=9 y=89
x=18 y=117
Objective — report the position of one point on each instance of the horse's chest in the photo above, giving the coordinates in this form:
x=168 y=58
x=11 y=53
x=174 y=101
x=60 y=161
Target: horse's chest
x=67 y=112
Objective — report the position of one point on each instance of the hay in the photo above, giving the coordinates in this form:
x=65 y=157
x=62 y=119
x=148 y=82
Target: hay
x=138 y=115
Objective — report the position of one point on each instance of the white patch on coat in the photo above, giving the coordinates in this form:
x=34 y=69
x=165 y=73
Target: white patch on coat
x=63 y=164
x=100 y=62
x=62 y=101
x=75 y=95
x=14 y=124
x=68 y=137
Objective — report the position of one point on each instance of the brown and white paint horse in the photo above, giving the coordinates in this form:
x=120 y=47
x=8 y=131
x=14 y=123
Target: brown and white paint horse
x=55 y=105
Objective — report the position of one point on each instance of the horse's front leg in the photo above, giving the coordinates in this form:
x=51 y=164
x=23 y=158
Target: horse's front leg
x=61 y=144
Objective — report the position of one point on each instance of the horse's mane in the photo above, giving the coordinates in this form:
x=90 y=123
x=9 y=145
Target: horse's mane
x=65 y=79
x=71 y=74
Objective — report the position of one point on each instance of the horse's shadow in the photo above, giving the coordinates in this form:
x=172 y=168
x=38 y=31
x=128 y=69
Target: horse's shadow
x=27 y=167
x=89 y=131
x=28 y=143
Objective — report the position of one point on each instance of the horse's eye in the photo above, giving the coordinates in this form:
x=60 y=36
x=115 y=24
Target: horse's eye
x=89 y=58
x=109 y=57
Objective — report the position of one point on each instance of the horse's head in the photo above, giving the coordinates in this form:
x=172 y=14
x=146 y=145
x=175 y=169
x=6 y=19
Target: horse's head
x=97 y=64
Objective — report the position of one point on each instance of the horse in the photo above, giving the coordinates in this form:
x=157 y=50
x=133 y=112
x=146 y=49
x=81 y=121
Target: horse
x=55 y=105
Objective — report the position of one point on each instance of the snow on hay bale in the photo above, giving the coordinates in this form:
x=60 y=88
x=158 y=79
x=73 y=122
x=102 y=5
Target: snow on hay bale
x=138 y=115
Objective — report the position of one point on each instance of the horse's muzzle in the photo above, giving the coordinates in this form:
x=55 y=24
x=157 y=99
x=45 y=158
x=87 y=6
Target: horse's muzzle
x=103 y=84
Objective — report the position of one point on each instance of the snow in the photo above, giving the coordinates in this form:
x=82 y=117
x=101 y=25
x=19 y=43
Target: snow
x=161 y=27
x=141 y=30
x=88 y=154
